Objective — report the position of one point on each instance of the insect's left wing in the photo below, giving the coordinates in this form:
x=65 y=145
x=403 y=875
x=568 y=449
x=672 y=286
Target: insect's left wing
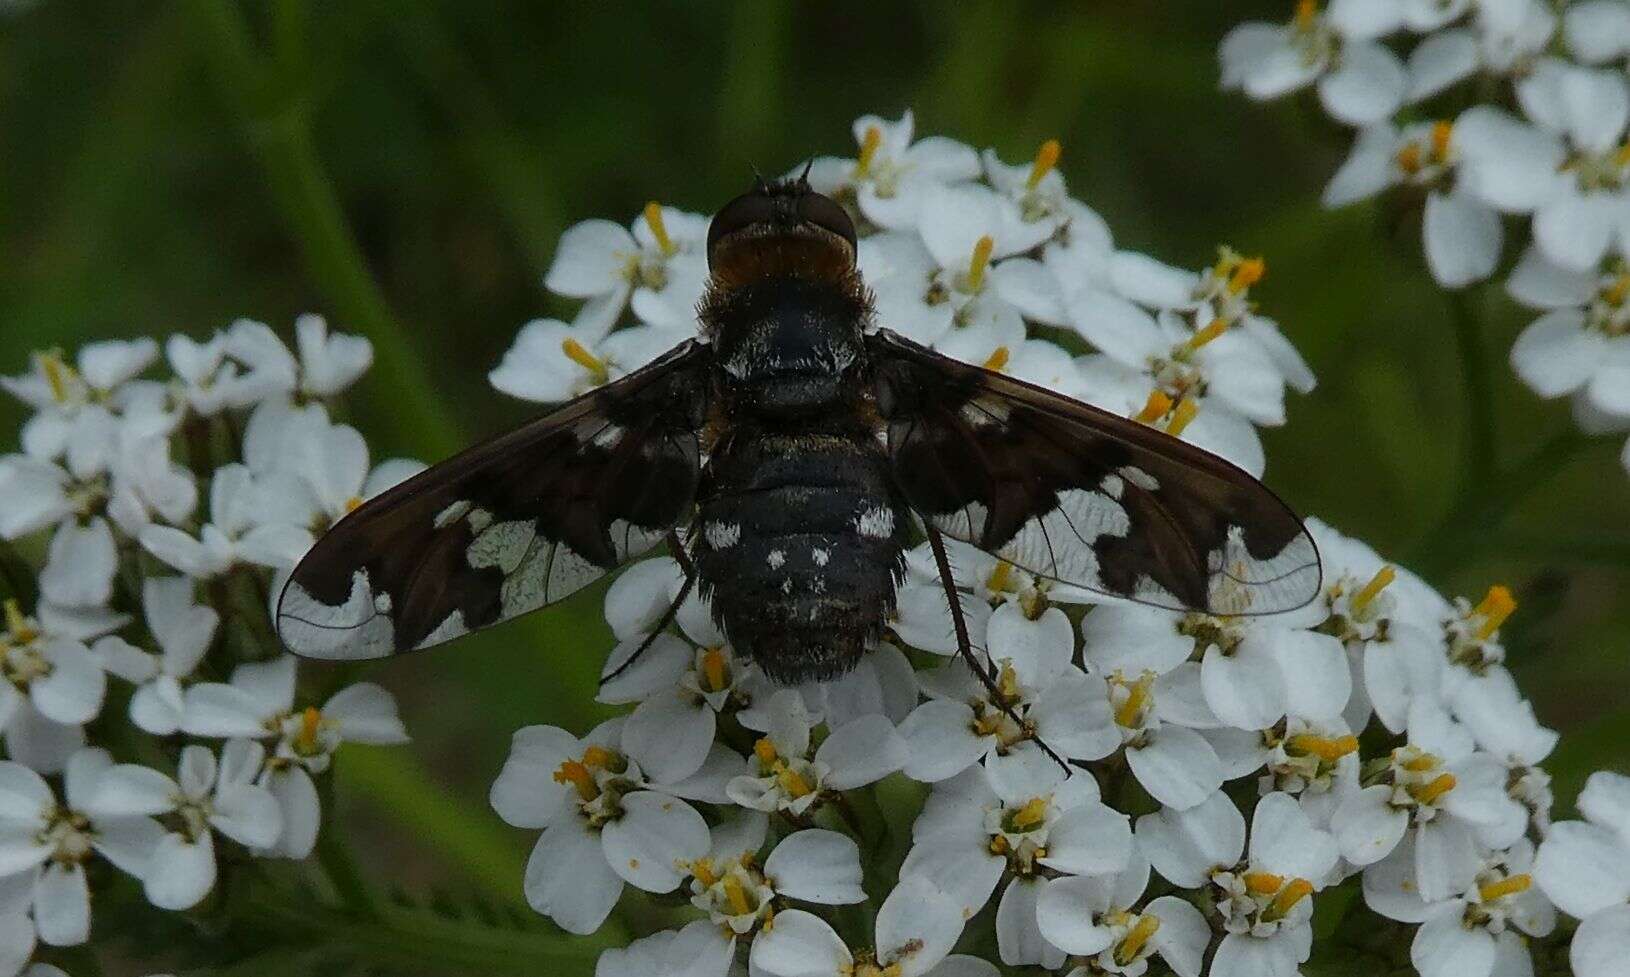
x=508 y=526
x=1079 y=495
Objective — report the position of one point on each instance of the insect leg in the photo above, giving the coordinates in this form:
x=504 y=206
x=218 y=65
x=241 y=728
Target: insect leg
x=681 y=550
x=662 y=625
x=987 y=674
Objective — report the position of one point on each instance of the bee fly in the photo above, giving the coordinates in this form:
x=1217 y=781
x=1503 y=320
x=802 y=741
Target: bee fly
x=797 y=446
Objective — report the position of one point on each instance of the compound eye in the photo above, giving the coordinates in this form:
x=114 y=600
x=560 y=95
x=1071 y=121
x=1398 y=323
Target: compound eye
x=824 y=212
x=751 y=208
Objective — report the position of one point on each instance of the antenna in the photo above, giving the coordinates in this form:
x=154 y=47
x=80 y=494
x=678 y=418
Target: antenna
x=803 y=178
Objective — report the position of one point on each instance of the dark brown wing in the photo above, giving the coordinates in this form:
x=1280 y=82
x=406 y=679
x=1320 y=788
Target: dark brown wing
x=508 y=526
x=1081 y=496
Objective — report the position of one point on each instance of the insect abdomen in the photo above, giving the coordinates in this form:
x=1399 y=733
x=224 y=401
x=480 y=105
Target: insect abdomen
x=800 y=550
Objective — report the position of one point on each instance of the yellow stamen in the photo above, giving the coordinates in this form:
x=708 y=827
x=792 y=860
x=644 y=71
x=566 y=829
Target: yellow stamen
x=1046 y=159
x=738 y=898
x=1008 y=681
x=56 y=373
x=1263 y=883
x=1505 y=887
x=17 y=624
x=1497 y=605
x=1212 y=330
x=353 y=504
x=1408 y=157
x=979 y=262
x=1154 y=408
x=868 y=149
x=999 y=845
x=1616 y=293
x=1249 y=272
x=1184 y=415
x=577 y=354
x=702 y=868
x=765 y=751
x=1325 y=748
x=659 y=230
x=1136 y=937
x=1441 y=130
x=1293 y=892
x=1032 y=814
x=576 y=774
x=1137 y=696
x=1622 y=156
x=1000 y=577
x=792 y=782
x=1429 y=793
x=1378 y=583
x=713 y=668
x=1421 y=763
x=306 y=741
x=597 y=758
x=1306 y=12
x=997 y=360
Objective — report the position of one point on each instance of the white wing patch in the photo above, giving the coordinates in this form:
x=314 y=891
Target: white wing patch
x=351 y=631
x=875 y=523
x=722 y=535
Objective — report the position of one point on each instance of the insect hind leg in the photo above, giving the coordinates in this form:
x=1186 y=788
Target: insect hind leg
x=682 y=557
x=986 y=671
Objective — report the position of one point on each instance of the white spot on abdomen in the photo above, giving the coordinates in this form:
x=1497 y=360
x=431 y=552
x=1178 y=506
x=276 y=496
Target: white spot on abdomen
x=776 y=559
x=820 y=556
x=875 y=523
x=722 y=535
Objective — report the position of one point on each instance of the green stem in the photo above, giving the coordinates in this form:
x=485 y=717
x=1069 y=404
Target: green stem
x=334 y=854
x=1480 y=433
x=278 y=128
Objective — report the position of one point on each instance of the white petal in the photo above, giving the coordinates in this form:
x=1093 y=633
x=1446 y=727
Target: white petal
x=131 y=789
x=1462 y=237
x=1367 y=827
x=1089 y=839
x=1440 y=60
x=800 y=945
x=653 y=839
x=72 y=692
x=670 y=735
x=1177 y=767
x=589 y=260
x=1285 y=842
x=1183 y=935
x=1573 y=230
x=916 y=927
x=862 y=752
x=80 y=566
x=62 y=905
x=247 y=814
x=17 y=945
x=1583 y=868
x=568 y=880
x=301 y=811
x=1245 y=688
x=1316 y=676
x=1038 y=649
x=1115 y=326
x=1367 y=170
x=1446 y=858
x=217 y=709
x=1018 y=937
x=816 y=865
x=1064 y=913
x=365 y=713
x=1366 y=87
x=1241 y=955
x=1183 y=846
x=1445 y=948
x=181 y=872
x=1557 y=355
x=1601 y=943
x=940 y=740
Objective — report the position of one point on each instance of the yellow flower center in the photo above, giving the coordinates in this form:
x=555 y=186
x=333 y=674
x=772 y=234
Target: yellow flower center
x=1307 y=13
x=1371 y=590
x=1001 y=577
x=58 y=374
x=1031 y=815
x=713 y=670
x=1213 y=329
x=1428 y=793
x=737 y=896
x=18 y=628
x=577 y=775
x=1182 y=416
x=1509 y=886
x=868 y=150
x=1147 y=925
x=1154 y=408
x=998 y=358
x=978 y=262
x=1294 y=892
x=1326 y=748
x=305 y=741
x=1137 y=697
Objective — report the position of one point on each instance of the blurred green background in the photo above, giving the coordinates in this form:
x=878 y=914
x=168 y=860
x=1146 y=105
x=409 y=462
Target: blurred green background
x=406 y=167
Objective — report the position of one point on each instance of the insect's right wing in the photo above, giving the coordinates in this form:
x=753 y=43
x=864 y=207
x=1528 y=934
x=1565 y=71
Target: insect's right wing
x=508 y=526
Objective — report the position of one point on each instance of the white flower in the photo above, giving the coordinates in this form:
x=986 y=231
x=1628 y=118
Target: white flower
x=82 y=557
x=1018 y=818
x=184 y=631
x=916 y=927
x=1584 y=867
x=1581 y=346
x=48 y=667
x=1504 y=39
x=1597 y=31
x=235 y=534
x=1453 y=808
x=75 y=409
x=892 y=174
x=1054 y=701
x=601 y=826
x=791 y=777
x=50 y=842
x=1096 y=916
x=661 y=262
x=259 y=704
x=1359 y=80
x=208 y=798
x=307 y=472
x=329 y=363
x=1037 y=191
x=272 y=373
x=1472 y=933
x=1263 y=904
x=551 y=361
x=1588 y=210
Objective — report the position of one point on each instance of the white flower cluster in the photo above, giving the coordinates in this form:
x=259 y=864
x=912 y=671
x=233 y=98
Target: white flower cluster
x=1221 y=771
x=1542 y=148
x=145 y=707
